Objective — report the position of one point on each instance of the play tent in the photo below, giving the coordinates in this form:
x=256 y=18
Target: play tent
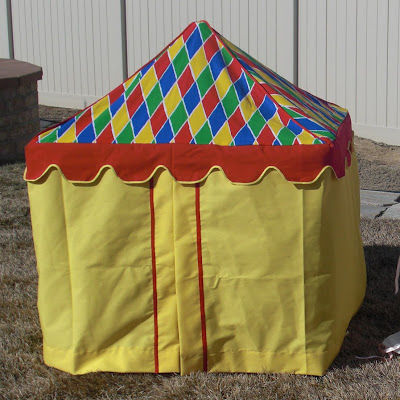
x=203 y=216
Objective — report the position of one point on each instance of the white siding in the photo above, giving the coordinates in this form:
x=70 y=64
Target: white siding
x=349 y=53
x=265 y=29
x=77 y=43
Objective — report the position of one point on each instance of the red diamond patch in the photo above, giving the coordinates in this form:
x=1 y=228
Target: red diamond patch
x=210 y=100
x=134 y=101
x=236 y=122
x=184 y=135
x=158 y=119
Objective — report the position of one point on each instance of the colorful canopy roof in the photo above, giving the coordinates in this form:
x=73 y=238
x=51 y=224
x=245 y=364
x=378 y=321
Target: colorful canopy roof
x=203 y=90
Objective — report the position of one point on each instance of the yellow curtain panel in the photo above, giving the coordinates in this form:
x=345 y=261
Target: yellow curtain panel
x=170 y=277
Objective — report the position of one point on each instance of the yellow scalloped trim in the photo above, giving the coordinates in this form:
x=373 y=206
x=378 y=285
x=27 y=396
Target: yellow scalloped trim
x=213 y=168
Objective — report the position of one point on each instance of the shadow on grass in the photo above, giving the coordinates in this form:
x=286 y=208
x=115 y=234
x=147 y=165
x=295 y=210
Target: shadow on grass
x=9 y=162
x=379 y=315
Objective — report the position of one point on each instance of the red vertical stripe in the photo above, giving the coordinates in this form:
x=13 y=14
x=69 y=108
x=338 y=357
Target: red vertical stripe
x=153 y=262
x=201 y=284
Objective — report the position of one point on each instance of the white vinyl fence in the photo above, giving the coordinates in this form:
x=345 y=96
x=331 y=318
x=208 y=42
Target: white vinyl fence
x=87 y=47
x=264 y=28
x=347 y=51
x=77 y=43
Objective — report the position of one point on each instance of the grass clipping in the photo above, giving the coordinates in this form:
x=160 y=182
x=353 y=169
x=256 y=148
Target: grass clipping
x=23 y=374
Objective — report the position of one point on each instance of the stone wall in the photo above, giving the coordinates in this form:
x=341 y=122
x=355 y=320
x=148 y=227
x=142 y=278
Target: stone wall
x=19 y=120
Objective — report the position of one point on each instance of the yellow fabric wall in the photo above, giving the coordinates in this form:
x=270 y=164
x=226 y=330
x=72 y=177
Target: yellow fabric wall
x=283 y=272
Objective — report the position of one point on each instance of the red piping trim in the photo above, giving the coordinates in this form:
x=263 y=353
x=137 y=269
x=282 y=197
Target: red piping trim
x=154 y=271
x=201 y=283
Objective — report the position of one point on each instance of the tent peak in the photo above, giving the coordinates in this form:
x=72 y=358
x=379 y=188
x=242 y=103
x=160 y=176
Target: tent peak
x=202 y=89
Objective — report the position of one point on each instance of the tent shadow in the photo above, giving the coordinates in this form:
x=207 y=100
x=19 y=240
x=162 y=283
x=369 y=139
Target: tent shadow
x=378 y=315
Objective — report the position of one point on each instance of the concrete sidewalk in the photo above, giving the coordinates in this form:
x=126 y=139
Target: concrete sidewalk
x=376 y=204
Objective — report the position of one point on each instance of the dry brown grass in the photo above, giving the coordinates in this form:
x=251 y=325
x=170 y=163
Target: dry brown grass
x=379 y=165
x=24 y=376
x=56 y=114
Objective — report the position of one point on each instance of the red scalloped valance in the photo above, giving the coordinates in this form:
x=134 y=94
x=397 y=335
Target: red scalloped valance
x=189 y=162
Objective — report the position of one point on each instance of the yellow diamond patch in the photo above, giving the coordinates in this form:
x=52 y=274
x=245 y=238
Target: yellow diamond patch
x=305 y=137
x=174 y=49
x=198 y=63
x=172 y=99
x=275 y=123
x=247 y=107
x=223 y=137
x=197 y=119
x=148 y=81
x=120 y=119
x=69 y=135
x=145 y=135
x=100 y=106
x=223 y=83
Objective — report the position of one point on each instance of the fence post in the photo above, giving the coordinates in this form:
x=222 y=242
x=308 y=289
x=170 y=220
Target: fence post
x=296 y=42
x=10 y=30
x=286 y=39
x=6 y=32
x=124 y=41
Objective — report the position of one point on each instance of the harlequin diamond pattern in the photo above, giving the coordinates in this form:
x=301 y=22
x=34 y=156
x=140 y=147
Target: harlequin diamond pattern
x=315 y=115
x=203 y=90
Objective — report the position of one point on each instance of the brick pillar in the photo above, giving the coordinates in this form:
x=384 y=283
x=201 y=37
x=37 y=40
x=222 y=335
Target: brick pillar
x=19 y=110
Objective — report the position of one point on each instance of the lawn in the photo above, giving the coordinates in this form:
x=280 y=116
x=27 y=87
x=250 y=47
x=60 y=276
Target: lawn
x=24 y=376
